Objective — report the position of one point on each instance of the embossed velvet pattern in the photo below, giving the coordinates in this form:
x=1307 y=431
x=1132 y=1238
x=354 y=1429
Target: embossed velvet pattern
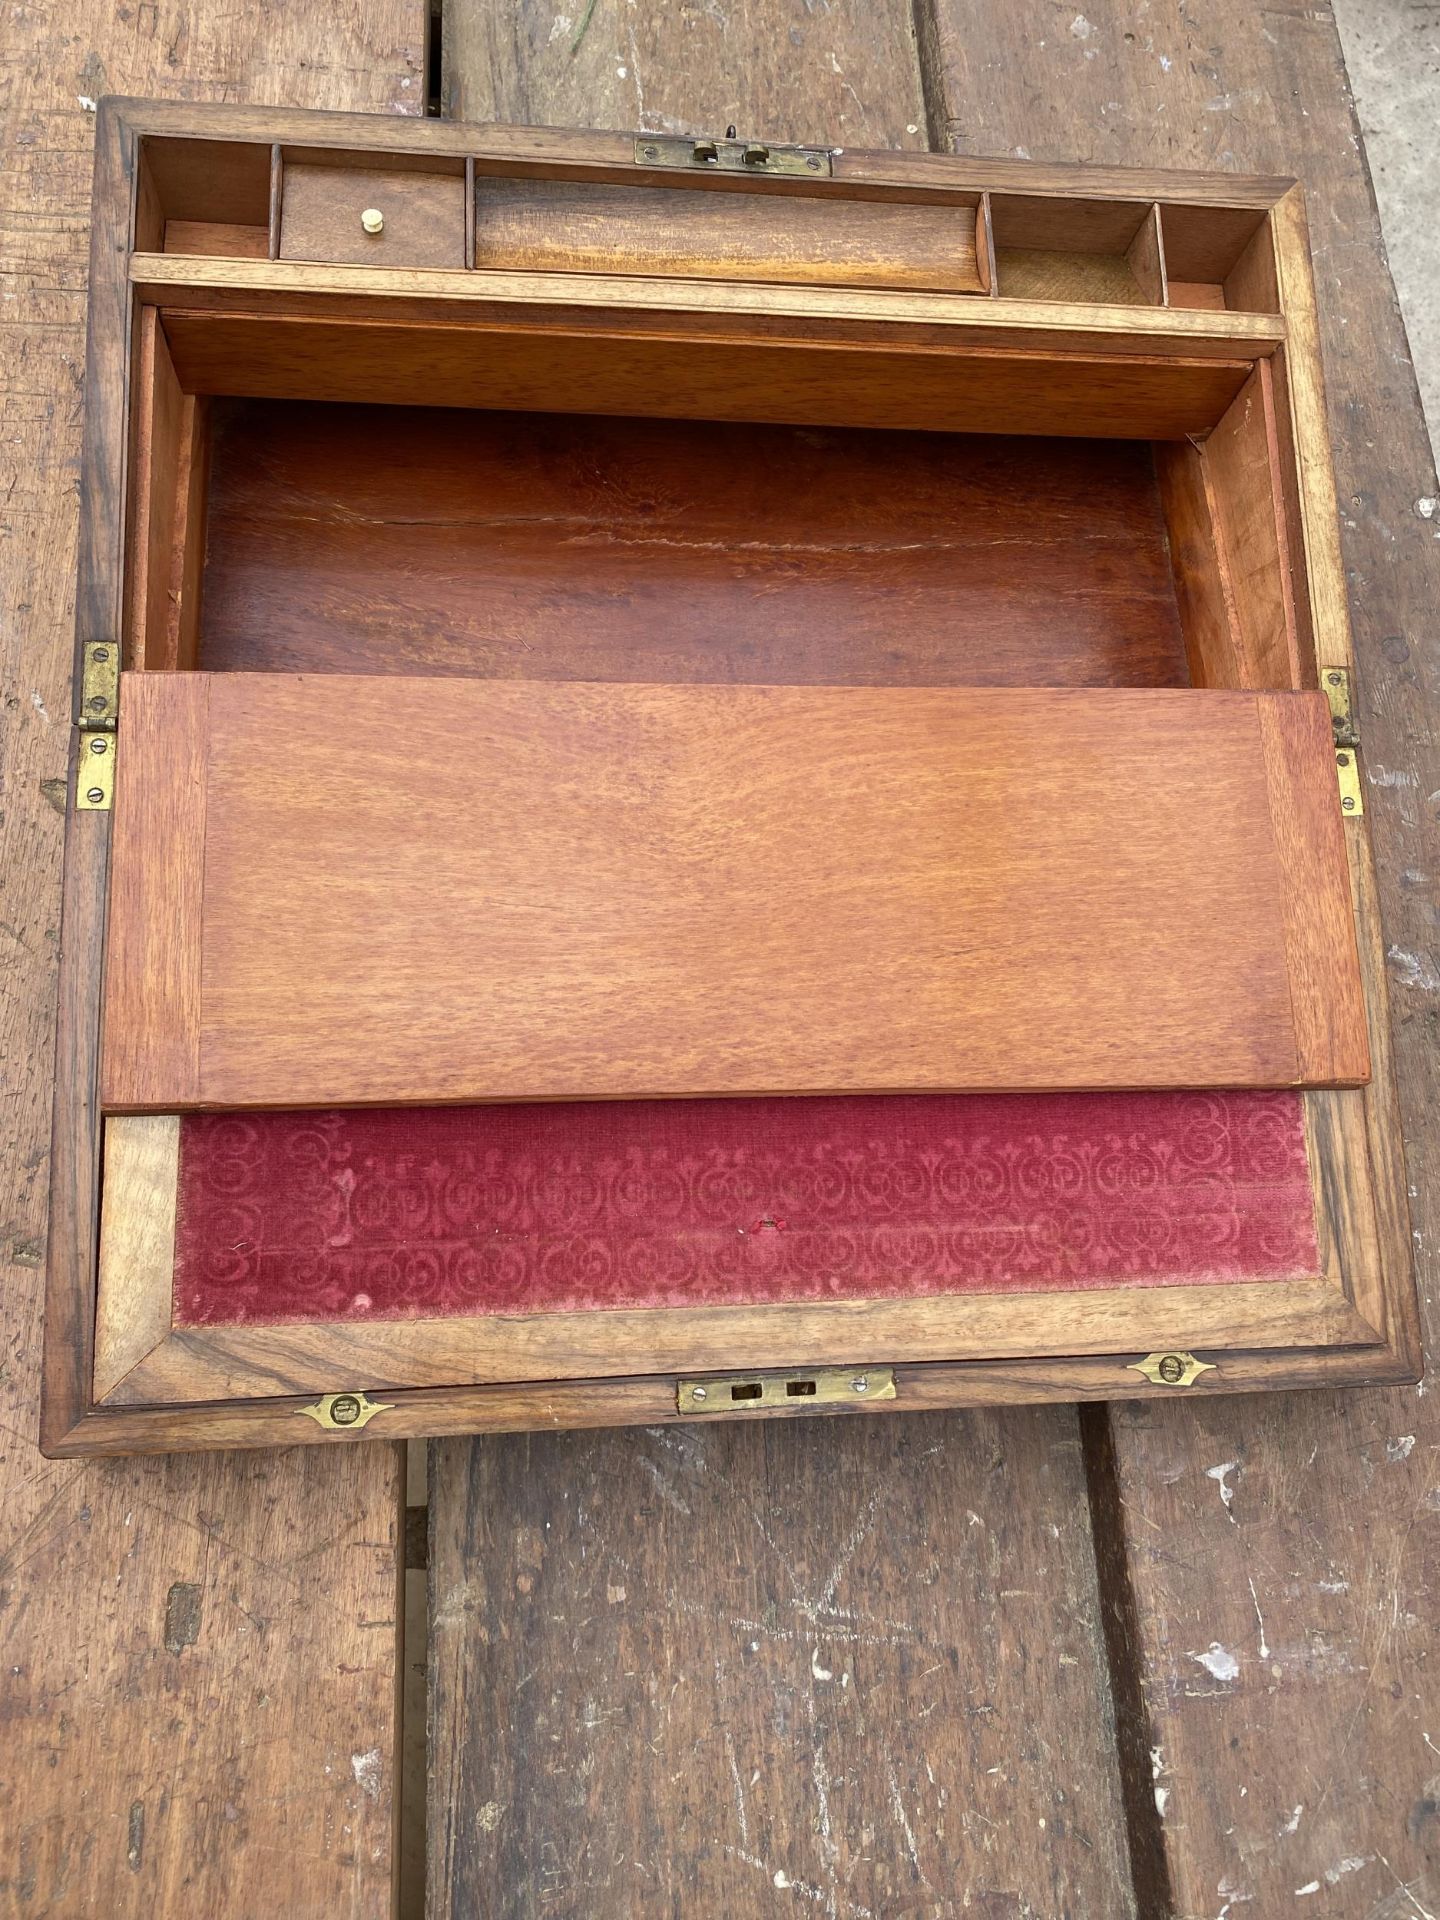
x=383 y=1214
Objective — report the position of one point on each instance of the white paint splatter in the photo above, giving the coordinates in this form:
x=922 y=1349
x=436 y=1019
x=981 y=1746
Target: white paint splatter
x=817 y=1672
x=1401 y=1449
x=1221 y=1476
x=1427 y=506
x=1352 y=1863
x=1289 y=1826
x=369 y=1770
x=1310 y=1886
x=1162 y=1800
x=1218 y=1661
x=87 y=105
x=1081 y=27
x=1414 y=969
x=489 y=1816
x=37 y=701
x=559 y=27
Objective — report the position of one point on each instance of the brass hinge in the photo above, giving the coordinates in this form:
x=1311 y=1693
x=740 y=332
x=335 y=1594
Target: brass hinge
x=731 y=156
x=1336 y=682
x=338 y=1412
x=97 y=720
x=1171 y=1369
x=757 y=1392
x=99 y=686
x=95 y=772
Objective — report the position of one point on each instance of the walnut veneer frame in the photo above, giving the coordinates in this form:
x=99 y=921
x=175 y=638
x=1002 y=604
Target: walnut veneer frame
x=1029 y=335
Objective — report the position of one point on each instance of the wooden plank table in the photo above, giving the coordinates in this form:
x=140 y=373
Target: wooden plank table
x=862 y=1668
x=1271 y=1564
x=199 y=1655
x=756 y=1670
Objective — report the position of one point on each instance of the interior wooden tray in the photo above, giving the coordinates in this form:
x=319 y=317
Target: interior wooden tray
x=1064 y=453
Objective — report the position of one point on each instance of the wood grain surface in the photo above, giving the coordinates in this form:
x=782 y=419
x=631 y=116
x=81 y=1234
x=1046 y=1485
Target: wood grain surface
x=524 y=546
x=198 y=1654
x=625 y=370
x=551 y=226
x=1269 y=1567
x=476 y=890
x=138 y=1200
x=750 y=1671
x=200 y=1364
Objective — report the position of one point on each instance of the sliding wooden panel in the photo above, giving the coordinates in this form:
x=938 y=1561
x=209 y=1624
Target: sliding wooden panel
x=432 y=890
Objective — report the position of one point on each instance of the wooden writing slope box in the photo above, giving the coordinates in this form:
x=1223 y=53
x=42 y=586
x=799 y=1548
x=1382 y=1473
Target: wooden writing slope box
x=707 y=779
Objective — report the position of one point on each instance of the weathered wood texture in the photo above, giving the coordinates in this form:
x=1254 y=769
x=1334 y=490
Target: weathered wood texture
x=198 y=1654
x=841 y=1666
x=1275 y=1563
x=778 y=69
x=602 y=1759
x=504 y=875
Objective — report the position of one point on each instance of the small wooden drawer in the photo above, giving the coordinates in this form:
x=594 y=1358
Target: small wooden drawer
x=327 y=213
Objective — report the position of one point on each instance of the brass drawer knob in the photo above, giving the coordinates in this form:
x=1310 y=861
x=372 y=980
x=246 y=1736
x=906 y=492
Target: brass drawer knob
x=373 y=220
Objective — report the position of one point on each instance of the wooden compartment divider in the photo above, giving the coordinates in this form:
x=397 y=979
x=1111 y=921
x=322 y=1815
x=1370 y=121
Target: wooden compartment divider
x=277 y=200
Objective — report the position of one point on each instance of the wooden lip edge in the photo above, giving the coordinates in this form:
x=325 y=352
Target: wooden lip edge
x=437 y=1412
x=180 y=278
x=133 y=1317
x=1394 y=1289
x=158 y=1378
x=580 y=148
x=70 y=1272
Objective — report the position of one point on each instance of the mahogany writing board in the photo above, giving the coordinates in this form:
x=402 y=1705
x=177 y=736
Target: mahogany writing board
x=434 y=890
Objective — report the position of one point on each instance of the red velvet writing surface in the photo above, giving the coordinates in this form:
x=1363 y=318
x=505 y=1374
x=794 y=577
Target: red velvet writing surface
x=386 y=1213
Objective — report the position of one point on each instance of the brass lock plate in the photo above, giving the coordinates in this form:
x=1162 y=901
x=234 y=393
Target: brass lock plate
x=796 y=1392
x=732 y=156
